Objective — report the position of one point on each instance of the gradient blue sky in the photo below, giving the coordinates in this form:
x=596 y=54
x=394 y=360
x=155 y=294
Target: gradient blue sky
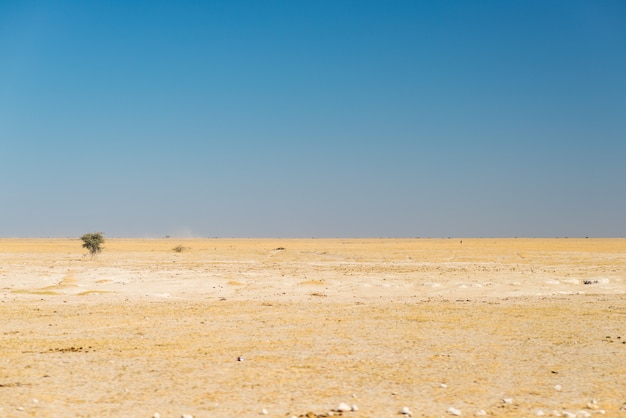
x=313 y=118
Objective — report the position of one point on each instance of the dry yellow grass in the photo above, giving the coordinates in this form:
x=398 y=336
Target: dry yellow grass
x=142 y=328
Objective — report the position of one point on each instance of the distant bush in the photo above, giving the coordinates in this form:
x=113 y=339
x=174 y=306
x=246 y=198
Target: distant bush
x=179 y=249
x=93 y=242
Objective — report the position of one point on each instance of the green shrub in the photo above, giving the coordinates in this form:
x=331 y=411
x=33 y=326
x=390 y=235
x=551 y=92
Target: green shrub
x=93 y=242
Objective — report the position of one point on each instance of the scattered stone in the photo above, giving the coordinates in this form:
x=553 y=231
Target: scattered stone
x=569 y=414
x=583 y=414
x=239 y=358
x=355 y=408
x=481 y=413
x=507 y=401
x=443 y=386
x=264 y=411
x=453 y=411
x=186 y=416
x=156 y=415
x=623 y=408
x=406 y=411
x=343 y=407
x=558 y=387
x=539 y=413
x=593 y=404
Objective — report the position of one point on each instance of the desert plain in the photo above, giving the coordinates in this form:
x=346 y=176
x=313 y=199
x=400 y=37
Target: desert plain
x=295 y=327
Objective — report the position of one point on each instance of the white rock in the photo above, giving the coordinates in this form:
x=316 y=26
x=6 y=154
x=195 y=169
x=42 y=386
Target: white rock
x=443 y=386
x=481 y=413
x=156 y=415
x=558 y=387
x=453 y=411
x=583 y=414
x=355 y=408
x=569 y=414
x=539 y=413
x=508 y=400
x=406 y=411
x=343 y=407
x=264 y=411
x=186 y=416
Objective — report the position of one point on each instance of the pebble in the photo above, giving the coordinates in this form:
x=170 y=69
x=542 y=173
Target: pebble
x=186 y=416
x=406 y=411
x=343 y=407
x=558 y=387
x=507 y=400
x=539 y=413
x=481 y=413
x=453 y=411
x=443 y=386
x=156 y=415
x=264 y=411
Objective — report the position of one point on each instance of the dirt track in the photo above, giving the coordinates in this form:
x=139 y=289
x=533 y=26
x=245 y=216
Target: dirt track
x=382 y=324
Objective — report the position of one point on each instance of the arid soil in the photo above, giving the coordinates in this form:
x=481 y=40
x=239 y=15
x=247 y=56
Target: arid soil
x=281 y=328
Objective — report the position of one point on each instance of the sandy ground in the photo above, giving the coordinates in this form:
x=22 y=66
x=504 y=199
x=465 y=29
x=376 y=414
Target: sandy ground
x=508 y=327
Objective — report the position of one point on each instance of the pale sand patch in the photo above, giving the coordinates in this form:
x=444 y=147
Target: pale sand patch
x=381 y=323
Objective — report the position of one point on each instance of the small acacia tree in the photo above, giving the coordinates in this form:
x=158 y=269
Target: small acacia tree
x=93 y=242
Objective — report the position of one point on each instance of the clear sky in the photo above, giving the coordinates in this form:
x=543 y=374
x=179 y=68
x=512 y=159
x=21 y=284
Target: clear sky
x=307 y=118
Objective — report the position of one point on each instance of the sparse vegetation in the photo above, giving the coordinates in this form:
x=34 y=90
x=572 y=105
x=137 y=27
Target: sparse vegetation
x=93 y=242
x=179 y=249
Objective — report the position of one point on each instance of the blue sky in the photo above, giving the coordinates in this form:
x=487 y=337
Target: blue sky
x=313 y=118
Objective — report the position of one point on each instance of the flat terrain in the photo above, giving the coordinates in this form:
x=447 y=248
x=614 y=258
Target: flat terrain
x=508 y=327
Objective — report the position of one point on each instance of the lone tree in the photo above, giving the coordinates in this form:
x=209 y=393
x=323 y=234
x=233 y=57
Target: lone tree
x=93 y=242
